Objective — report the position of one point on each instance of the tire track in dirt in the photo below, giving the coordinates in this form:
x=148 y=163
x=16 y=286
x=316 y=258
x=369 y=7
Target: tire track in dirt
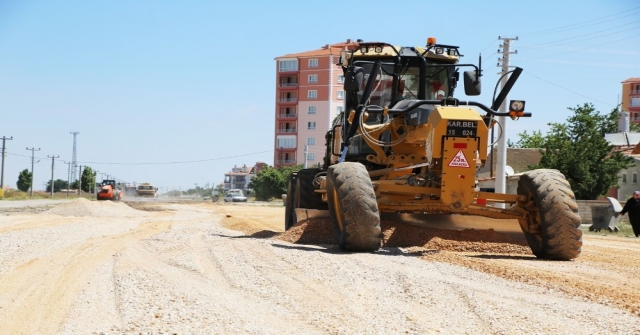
x=257 y=275
x=31 y=289
x=28 y=224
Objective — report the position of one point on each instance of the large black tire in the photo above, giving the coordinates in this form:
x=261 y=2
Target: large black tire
x=556 y=212
x=289 y=208
x=353 y=207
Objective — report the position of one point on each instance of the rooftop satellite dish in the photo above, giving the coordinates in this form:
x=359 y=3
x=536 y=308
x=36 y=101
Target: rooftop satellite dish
x=509 y=171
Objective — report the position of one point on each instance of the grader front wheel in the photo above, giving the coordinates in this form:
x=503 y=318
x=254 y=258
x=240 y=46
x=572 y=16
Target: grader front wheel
x=555 y=213
x=353 y=207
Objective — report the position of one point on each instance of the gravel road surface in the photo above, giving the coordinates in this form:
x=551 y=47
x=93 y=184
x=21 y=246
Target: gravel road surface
x=87 y=267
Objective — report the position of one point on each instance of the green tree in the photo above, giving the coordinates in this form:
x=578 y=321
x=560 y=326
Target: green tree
x=58 y=185
x=533 y=140
x=271 y=182
x=24 y=180
x=88 y=179
x=579 y=150
x=219 y=190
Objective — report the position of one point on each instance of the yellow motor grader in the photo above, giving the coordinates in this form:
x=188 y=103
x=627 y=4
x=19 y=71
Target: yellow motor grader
x=405 y=145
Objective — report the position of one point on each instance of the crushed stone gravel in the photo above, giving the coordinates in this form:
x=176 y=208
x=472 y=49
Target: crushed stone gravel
x=85 y=208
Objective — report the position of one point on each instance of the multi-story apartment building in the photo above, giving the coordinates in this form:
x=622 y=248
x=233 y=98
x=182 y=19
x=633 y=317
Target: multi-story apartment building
x=239 y=177
x=631 y=98
x=309 y=95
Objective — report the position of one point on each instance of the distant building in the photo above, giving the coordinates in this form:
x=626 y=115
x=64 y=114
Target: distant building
x=518 y=159
x=629 y=144
x=631 y=98
x=309 y=95
x=239 y=177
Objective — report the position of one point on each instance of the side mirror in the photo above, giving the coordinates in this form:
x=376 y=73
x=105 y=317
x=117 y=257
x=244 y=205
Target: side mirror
x=353 y=78
x=471 y=83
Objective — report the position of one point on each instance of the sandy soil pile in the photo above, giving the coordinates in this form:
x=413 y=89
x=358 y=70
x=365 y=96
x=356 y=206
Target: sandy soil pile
x=394 y=234
x=84 y=208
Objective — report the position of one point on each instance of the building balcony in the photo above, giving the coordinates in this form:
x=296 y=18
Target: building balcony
x=286 y=161
x=288 y=70
x=287 y=116
x=634 y=92
x=287 y=131
x=288 y=85
x=288 y=100
x=286 y=149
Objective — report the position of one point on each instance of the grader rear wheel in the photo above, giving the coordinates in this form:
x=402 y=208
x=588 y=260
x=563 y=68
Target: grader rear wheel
x=353 y=207
x=289 y=201
x=556 y=213
x=306 y=197
x=301 y=194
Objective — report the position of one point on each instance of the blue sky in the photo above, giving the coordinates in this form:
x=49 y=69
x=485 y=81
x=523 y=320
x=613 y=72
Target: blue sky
x=193 y=81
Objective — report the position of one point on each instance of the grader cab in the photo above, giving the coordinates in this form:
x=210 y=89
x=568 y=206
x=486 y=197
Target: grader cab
x=406 y=145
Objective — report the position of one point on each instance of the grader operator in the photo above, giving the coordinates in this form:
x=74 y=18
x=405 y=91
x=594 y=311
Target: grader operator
x=406 y=145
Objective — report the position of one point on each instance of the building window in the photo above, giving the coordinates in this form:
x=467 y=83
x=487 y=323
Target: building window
x=340 y=109
x=312 y=109
x=635 y=102
x=624 y=178
x=634 y=178
x=311 y=156
x=287 y=142
x=340 y=94
x=312 y=94
x=313 y=62
x=340 y=79
x=311 y=141
x=288 y=65
x=311 y=125
x=313 y=78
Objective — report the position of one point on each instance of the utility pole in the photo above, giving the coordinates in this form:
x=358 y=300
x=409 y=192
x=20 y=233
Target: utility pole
x=80 y=181
x=501 y=163
x=95 y=174
x=306 y=148
x=53 y=163
x=32 y=161
x=73 y=157
x=68 y=177
x=4 y=138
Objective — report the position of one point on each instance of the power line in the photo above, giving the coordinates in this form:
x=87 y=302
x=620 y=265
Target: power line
x=624 y=66
x=562 y=41
x=488 y=46
x=566 y=89
x=181 y=162
x=578 y=50
x=580 y=24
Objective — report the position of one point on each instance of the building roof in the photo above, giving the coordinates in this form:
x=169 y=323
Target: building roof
x=623 y=138
x=517 y=158
x=631 y=80
x=327 y=50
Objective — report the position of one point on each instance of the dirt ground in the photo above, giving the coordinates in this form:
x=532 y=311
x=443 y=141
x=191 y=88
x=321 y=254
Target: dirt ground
x=606 y=271
x=86 y=267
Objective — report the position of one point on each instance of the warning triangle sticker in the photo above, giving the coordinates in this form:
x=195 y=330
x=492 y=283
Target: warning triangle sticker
x=459 y=160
